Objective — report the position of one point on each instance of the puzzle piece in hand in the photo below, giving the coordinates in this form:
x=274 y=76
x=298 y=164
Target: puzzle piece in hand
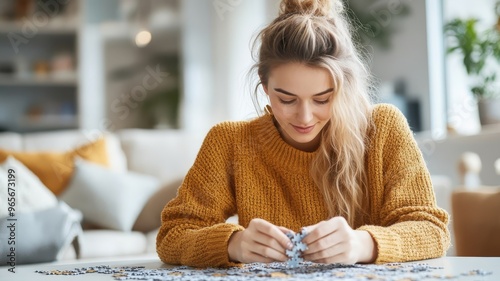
x=301 y=246
x=294 y=254
x=294 y=262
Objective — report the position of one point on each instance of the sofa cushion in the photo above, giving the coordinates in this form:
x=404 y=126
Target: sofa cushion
x=30 y=193
x=150 y=216
x=108 y=198
x=165 y=154
x=55 y=168
x=70 y=139
x=41 y=236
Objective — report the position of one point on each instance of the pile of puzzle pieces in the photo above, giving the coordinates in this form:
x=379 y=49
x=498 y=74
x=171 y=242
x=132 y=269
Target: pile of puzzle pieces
x=275 y=271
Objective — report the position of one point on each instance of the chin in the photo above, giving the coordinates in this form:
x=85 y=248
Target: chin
x=304 y=139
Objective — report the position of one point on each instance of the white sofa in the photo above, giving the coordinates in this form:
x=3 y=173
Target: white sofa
x=165 y=154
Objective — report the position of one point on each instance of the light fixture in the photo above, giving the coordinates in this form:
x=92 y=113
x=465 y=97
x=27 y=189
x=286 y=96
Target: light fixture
x=142 y=38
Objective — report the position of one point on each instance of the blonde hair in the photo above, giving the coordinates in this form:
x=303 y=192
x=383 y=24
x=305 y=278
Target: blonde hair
x=316 y=33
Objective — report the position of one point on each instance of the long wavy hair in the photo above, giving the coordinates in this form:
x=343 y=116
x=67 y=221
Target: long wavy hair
x=316 y=33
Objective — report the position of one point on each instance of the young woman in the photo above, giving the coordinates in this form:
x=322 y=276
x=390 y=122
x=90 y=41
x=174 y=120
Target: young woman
x=321 y=157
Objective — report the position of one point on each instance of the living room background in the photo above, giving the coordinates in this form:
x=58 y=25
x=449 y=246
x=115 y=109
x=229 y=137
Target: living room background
x=78 y=65
x=155 y=75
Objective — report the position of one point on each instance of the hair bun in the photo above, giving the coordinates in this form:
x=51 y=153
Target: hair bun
x=310 y=7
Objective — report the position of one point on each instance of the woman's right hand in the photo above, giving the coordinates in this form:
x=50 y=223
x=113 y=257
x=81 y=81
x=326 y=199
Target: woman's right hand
x=261 y=241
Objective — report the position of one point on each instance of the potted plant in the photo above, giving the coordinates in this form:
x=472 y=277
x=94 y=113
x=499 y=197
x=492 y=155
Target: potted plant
x=162 y=106
x=481 y=55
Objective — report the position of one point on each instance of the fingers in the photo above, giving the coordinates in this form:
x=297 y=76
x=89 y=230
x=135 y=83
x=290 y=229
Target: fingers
x=268 y=252
x=331 y=241
x=334 y=254
x=325 y=242
x=269 y=247
x=322 y=229
x=285 y=230
x=275 y=233
x=264 y=242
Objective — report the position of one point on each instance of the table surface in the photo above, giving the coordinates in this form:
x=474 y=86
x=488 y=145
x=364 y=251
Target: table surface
x=450 y=266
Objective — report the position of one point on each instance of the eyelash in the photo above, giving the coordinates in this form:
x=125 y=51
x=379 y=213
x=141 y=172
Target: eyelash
x=292 y=101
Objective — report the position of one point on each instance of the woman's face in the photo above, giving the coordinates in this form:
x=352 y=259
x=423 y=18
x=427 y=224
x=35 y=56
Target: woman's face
x=301 y=98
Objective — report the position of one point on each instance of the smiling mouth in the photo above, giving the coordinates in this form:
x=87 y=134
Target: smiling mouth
x=303 y=130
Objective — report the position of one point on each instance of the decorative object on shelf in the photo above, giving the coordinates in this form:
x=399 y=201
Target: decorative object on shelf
x=469 y=167
x=22 y=67
x=497 y=166
x=34 y=112
x=23 y=8
x=7 y=9
x=62 y=66
x=6 y=68
x=481 y=53
x=41 y=68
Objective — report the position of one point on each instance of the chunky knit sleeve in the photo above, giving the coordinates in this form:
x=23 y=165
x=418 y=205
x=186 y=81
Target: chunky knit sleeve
x=407 y=223
x=193 y=229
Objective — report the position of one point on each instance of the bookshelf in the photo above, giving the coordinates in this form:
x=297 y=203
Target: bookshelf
x=39 y=82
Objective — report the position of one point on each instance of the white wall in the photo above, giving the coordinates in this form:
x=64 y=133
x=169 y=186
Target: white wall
x=407 y=57
x=197 y=62
x=234 y=33
x=216 y=58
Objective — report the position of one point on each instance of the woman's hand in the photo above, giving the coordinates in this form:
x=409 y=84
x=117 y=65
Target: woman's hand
x=261 y=241
x=334 y=241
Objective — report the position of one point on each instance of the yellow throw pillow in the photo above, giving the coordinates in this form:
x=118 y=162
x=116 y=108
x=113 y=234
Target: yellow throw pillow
x=55 y=169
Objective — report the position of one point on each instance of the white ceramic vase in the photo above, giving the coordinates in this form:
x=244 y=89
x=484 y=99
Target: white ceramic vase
x=489 y=111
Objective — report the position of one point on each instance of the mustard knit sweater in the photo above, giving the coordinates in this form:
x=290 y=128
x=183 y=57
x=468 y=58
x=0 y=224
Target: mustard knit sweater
x=246 y=168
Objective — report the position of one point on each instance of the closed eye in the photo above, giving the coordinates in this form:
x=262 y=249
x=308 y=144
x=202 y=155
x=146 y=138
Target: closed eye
x=286 y=101
x=322 y=101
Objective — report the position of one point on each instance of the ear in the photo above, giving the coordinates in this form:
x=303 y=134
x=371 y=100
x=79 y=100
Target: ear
x=264 y=86
x=265 y=89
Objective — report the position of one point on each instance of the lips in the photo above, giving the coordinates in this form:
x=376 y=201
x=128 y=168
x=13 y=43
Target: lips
x=303 y=130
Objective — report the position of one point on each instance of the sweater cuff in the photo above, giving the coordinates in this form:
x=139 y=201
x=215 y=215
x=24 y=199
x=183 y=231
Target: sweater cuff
x=217 y=243
x=387 y=242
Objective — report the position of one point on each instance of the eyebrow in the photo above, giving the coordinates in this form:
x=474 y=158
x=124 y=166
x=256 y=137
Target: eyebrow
x=290 y=94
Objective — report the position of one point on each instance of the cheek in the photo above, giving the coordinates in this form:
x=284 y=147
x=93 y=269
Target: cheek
x=280 y=110
x=324 y=114
x=280 y=114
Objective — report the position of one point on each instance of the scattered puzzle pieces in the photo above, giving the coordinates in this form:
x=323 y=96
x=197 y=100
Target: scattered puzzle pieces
x=275 y=271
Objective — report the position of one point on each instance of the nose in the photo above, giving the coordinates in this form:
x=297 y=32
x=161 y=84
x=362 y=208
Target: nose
x=305 y=114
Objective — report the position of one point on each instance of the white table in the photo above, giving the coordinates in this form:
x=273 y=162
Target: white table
x=451 y=266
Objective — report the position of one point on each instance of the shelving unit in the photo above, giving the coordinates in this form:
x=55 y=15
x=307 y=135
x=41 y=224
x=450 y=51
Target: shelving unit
x=39 y=81
x=126 y=66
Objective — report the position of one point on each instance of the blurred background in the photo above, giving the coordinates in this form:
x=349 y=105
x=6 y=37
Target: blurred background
x=182 y=66
x=118 y=64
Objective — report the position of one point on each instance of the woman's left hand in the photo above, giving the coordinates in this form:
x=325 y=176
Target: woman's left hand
x=334 y=241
